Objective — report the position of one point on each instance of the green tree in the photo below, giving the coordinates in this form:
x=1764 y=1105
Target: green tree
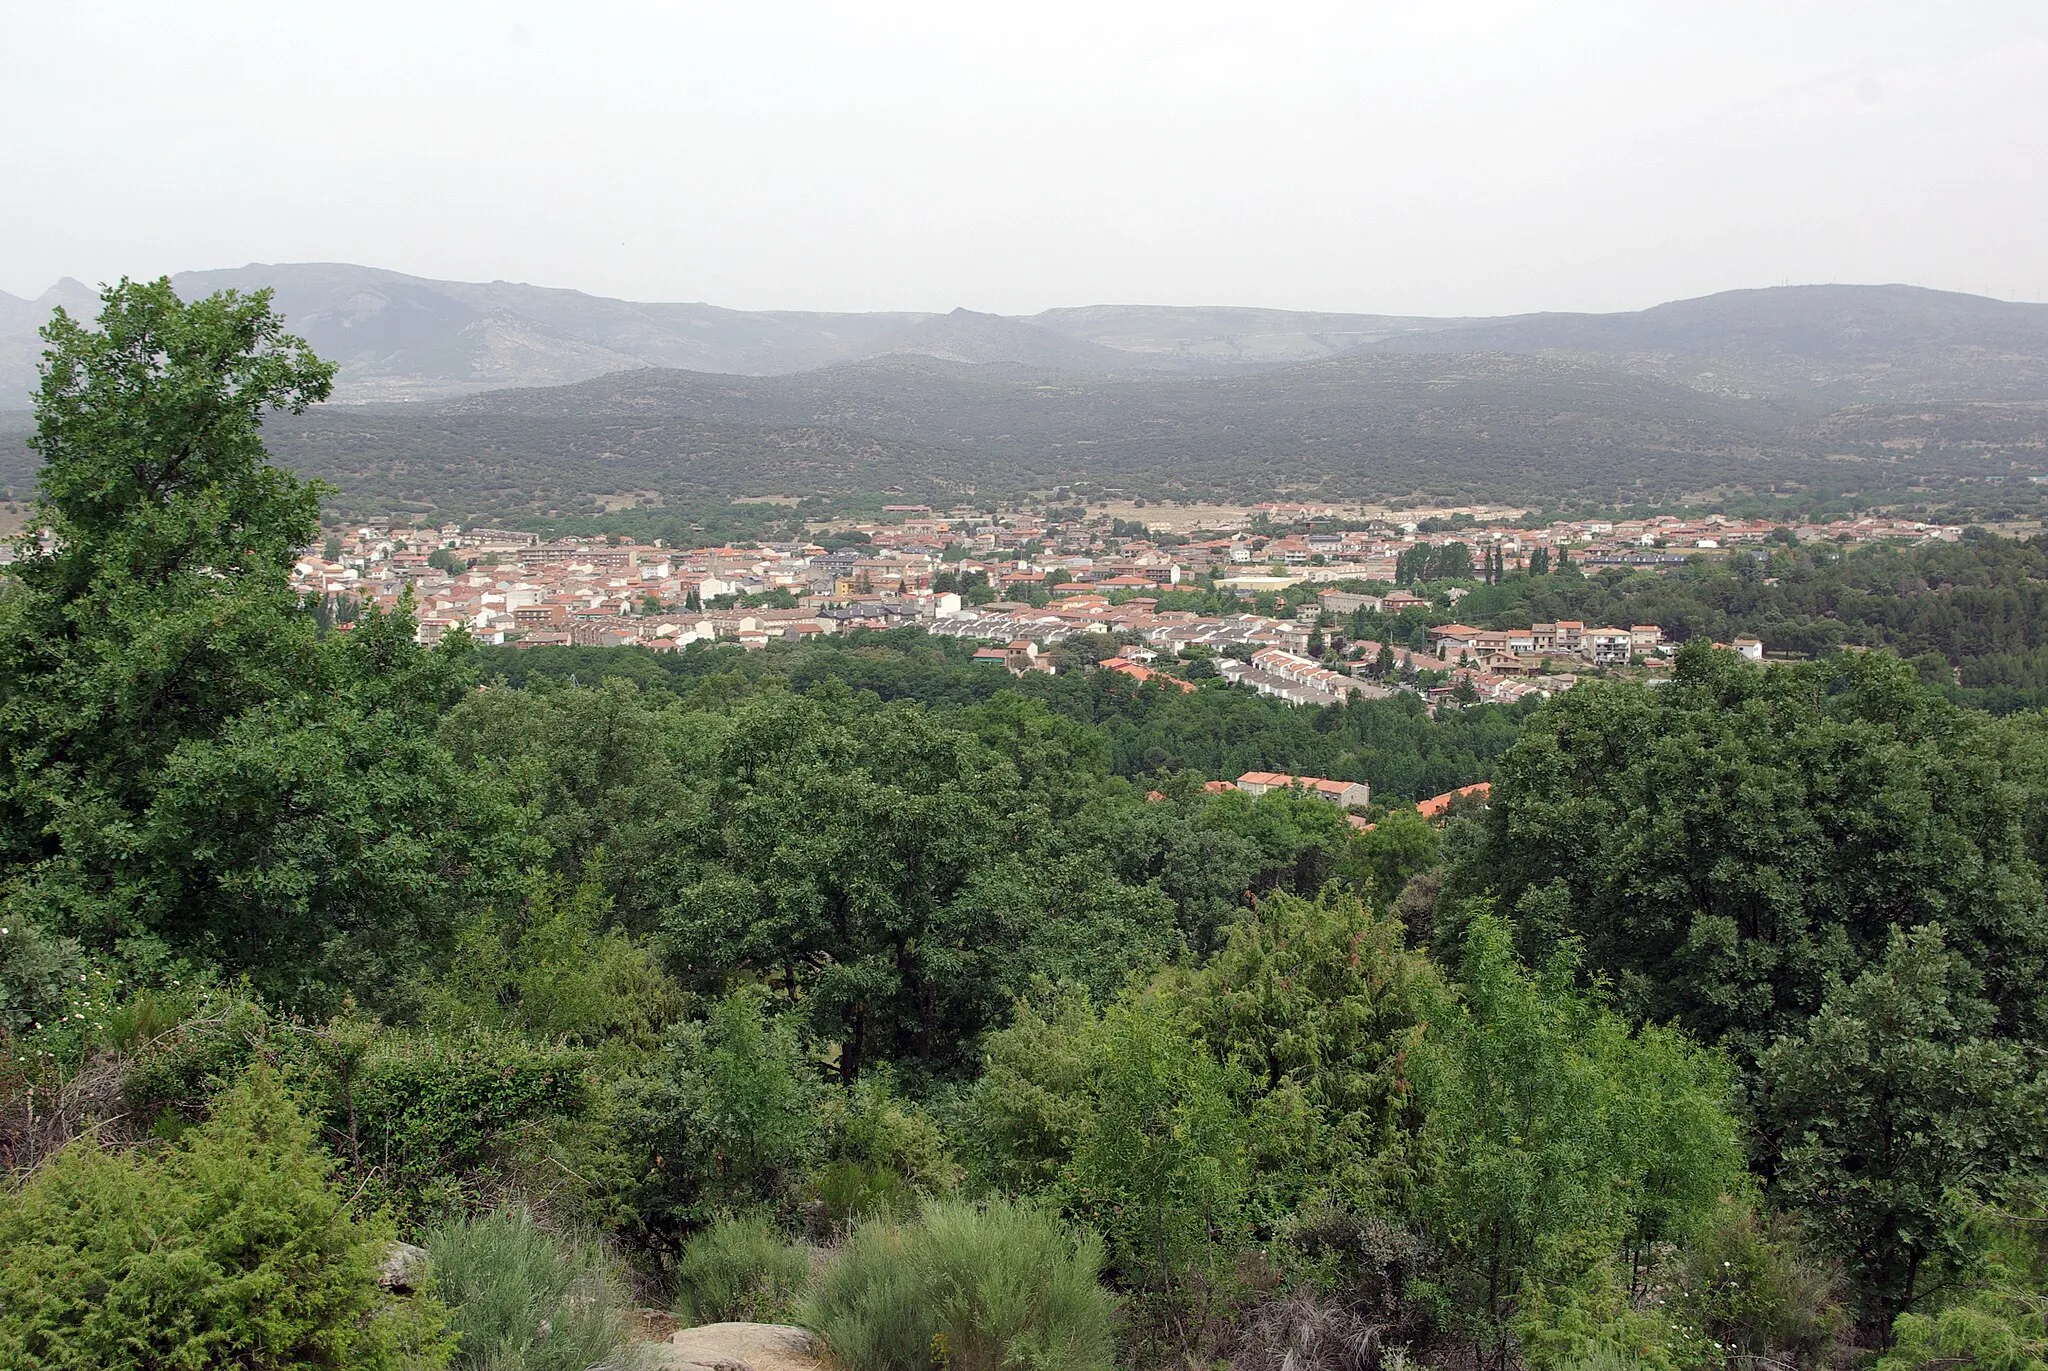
x=1314 y=1006
x=183 y=758
x=234 y=1248
x=1998 y=1319
x=1378 y=862
x=1555 y=1124
x=1159 y=1169
x=1892 y=1114
x=1724 y=843
x=727 y=1118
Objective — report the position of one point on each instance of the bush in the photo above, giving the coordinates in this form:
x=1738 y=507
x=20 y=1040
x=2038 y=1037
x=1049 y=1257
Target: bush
x=977 y=1288
x=232 y=1248
x=740 y=1269
x=523 y=1299
x=1746 y=1283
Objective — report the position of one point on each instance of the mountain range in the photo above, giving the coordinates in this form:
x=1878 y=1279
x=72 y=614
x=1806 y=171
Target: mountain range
x=401 y=337
x=510 y=402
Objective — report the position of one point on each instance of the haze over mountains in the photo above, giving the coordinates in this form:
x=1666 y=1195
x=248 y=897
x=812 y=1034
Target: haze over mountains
x=407 y=338
x=526 y=402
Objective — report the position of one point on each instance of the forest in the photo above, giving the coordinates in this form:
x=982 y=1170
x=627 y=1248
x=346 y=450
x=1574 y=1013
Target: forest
x=951 y=1019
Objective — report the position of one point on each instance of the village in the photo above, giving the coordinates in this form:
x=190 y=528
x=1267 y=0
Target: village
x=1022 y=585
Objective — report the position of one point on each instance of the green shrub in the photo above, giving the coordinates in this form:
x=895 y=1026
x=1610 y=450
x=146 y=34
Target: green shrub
x=740 y=1269
x=230 y=1249
x=972 y=1288
x=523 y=1299
x=1996 y=1319
x=851 y=1190
x=726 y=1118
x=1583 y=1319
x=1746 y=1283
x=432 y=1115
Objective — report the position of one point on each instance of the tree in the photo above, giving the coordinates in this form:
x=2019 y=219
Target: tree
x=1379 y=862
x=1724 y=843
x=899 y=877
x=1539 y=562
x=727 y=1118
x=183 y=758
x=1892 y=1115
x=1998 y=1320
x=445 y=560
x=1314 y=1006
x=1552 y=1119
x=233 y=1248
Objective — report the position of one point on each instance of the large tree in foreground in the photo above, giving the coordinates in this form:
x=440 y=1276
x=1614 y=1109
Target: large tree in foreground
x=185 y=764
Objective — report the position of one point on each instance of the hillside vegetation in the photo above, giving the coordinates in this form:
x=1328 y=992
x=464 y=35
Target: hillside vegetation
x=846 y=985
x=1888 y=392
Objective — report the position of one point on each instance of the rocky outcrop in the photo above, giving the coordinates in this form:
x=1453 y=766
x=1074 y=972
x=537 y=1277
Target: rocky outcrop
x=735 y=1347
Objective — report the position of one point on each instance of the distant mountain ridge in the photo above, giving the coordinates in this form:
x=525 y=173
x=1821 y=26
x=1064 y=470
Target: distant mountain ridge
x=400 y=337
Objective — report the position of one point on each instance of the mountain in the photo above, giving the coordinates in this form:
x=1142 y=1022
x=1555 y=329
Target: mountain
x=405 y=337
x=1230 y=336
x=1841 y=343
x=993 y=340
x=20 y=348
x=529 y=402
x=1434 y=426
x=402 y=337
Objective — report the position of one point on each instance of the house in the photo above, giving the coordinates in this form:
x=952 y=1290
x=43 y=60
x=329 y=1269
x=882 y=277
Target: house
x=1348 y=794
x=1400 y=600
x=1436 y=806
x=1455 y=640
x=1123 y=666
x=1752 y=648
x=1609 y=646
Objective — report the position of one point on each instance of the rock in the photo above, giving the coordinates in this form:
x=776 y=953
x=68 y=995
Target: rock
x=737 y=1347
x=404 y=1269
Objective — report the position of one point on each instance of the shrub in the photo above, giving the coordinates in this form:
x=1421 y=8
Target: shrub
x=849 y=1190
x=1746 y=1283
x=232 y=1248
x=976 y=1288
x=523 y=1299
x=740 y=1269
x=724 y=1120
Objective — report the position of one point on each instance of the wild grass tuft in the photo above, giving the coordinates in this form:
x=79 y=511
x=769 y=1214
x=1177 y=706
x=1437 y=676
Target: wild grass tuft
x=995 y=1287
x=740 y=1269
x=524 y=1299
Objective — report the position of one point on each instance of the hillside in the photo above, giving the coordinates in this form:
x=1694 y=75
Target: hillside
x=1843 y=343
x=1835 y=388
x=404 y=337
x=1432 y=426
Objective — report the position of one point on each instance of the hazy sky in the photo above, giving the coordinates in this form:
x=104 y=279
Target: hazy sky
x=1423 y=156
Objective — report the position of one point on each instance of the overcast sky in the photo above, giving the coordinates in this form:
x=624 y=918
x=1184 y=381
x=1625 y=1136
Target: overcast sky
x=1420 y=157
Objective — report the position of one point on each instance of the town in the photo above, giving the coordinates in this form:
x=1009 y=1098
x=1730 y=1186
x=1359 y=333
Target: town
x=1268 y=599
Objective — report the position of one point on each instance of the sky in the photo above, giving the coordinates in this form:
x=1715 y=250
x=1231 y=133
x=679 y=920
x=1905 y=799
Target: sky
x=1445 y=158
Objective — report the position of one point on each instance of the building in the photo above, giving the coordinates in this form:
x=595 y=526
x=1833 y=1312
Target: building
x=1436 y=806
x=1348 y=794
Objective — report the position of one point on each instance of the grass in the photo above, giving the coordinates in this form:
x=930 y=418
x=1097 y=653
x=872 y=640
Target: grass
x=523 y=1299
x=740 y=1269
x=995 y=1287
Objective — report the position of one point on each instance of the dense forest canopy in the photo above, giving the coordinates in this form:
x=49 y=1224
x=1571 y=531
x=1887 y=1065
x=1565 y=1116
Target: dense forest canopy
x=954 y=1017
